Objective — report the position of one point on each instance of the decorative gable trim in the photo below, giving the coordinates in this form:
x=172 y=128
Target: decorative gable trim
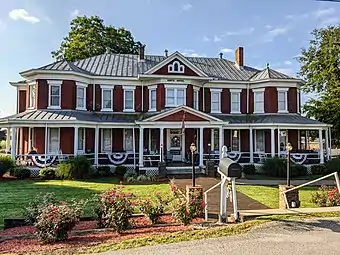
x=172 y=57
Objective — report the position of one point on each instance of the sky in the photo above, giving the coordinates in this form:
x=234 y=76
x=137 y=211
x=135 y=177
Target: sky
x=271 y=31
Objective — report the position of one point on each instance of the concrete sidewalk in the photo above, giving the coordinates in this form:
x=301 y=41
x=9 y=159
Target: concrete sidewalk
x=282 y=182
x=266 y=212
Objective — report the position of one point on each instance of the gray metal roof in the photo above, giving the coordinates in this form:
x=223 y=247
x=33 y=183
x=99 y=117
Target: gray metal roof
x=269 y=73
x=128 y=65
x=267 y=119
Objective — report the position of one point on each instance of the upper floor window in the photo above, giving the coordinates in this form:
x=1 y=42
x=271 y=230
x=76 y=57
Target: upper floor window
x=107 y=96
x=195 y=101
x=152 y=98
x=175 y=95
x=176 y=67
x=282 y=100
x=258 y=100
x=81 y=96
x=54 y=94
x=215 y=100
x=235 y=100
x=31 y=88
x=129 y=99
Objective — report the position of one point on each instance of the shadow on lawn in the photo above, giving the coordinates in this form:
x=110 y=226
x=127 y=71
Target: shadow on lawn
x=311 y=225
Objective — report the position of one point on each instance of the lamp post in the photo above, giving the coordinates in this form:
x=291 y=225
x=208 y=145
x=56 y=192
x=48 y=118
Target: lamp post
x=209 y=151
x=193 y=149
x=288 y=149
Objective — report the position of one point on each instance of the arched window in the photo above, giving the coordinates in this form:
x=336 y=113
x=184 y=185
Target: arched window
x=176 y=67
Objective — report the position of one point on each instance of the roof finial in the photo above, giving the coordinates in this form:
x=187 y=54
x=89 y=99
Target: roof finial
x=267 y=64
x=107 y=50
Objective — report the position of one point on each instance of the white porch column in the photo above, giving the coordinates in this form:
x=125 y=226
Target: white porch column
x=75 y=147
x=272 y=141
x=299 y=139
x=212 y=139
x=134 y=147
x=96 y=145
x=14 y=142
x=141 y=150
x=321 y=154
x=251 y=145
x=8 y=140
x=330 y=143
x=201 y=148
x=221 y=140
x=278 y=142
x=327 y=144
x=161 y=146
x=29 y=139
x=21 y=133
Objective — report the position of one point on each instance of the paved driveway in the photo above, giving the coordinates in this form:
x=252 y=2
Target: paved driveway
x=306 y=237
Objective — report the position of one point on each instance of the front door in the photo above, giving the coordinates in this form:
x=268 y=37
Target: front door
x=175 y=142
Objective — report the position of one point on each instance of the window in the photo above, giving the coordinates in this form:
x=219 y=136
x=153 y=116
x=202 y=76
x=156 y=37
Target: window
x=107 y=99
x=175 y=67
x=81 y=96
x=216 y=146
x=106 y=140
x=53 y=140
x=152 y=98
x=235 y=101
x=259 y=141
x=32 y=94
x=175 y=96
x=129 y=99
x=128 y=140
x=54 y=99
x=282 y=100
x=195 y=99
x=81 y=139
x=235 y=140
x=259 y=101
x=216 y=100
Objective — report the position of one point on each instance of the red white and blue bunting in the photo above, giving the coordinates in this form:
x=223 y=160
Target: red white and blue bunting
x=42 y=161
x=234 y=155
x=298 y=158
x=117 y=158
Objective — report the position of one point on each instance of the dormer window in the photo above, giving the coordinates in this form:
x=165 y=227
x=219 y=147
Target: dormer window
x=107 y=98
x=176 y=67
x=81 y=96
x=282 y=106
x=175 y=95
x=54 y=94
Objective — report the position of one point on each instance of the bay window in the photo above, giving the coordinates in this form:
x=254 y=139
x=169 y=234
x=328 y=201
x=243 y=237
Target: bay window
x=215 y=100
x=54 y=94
x=53 y=140
x=282 y=106
x=81 y=96
x=106 y=140
x=107 y=96
x=258 y=100
x=175 y=95
x=31 y=87
x=195 y=99
x=129 y=98
x=152 y=97
x=235 y=101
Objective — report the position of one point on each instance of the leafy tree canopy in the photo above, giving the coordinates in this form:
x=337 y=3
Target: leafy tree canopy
x=321 y=70
x=89 y=37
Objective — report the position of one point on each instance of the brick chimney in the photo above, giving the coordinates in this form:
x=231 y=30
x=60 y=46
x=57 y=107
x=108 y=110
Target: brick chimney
x=142 y=52
x=239 y=58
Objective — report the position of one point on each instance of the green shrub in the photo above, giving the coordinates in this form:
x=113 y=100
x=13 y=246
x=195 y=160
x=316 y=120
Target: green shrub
x=3 y=145
x=333 y=165
x=35 y=206
x=75 y=168
x=298 y=170
x=153 y=209
x=48 y=173
x=249 y=169
x=326 y=196
x=142 y=178
x=120 y=170
x=320 y=169
x=104 y=171
x=6 y=163
x=20 y=172
x=275 y=167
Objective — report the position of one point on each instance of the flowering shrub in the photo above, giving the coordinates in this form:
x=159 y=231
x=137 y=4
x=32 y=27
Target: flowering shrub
x=55 y=221
x=37 y=205
x=153 y=208
x=183 y=210
x=113 y=210
x=326 y=196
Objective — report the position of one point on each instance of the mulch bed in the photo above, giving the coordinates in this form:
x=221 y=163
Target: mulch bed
x=85 y=234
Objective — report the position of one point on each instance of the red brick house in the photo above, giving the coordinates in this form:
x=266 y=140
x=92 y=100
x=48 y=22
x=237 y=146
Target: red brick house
x=111 y=107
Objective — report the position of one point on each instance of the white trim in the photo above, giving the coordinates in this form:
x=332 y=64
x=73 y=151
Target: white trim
x=258 y=91
x=298 y=110
x=151 y=89
x=235 y=90
x=32 y=105
x=179 y=85
x=107 y=86
x=195 y=99
x=129 y=89
x=282 y=89
x=218 y=91
x=54 y=84
x=124 y=140
x=102 y=139
x=49 y=138
x=196 y=88
x=238 y=93
x=84 y=99
x=175 y=89
x=84 y=137
x=102 y=98
x=285 y=91
x=81 y=84
x=154 y=86
x=180 y=67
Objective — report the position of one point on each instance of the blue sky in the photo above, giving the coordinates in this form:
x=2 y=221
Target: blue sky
x=269 y=30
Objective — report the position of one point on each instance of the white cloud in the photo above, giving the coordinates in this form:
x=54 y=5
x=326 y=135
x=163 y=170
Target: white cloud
x=329 y=21
x=288 y=63
x=273 y=33
x=227 y=50
x=186 y=7
x=246 y=31
x=74 y=13
x=22 y=14
x=268 y=27
x=206 y=39
x=217 y=38
x=323 y=12
x=192 y=53
x=2 y=25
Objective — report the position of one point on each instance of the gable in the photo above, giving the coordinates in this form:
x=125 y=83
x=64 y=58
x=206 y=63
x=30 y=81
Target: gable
x=178 y=117
x=176 y=67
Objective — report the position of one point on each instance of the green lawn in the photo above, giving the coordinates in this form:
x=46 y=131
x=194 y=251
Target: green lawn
x=269 y=195
x=15 y=195
x=266 y=177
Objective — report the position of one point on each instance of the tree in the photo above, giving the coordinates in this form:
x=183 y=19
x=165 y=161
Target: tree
x=89 y=37
x=321 y=70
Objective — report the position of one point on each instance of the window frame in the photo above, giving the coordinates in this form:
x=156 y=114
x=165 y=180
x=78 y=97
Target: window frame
x=152 y=88
x=239 y=139
x=261 y=92
x=124 y=137
x=49 y=140
x=31 y=102
x=129 y=89
x=83 y=86
x=102 y=140
x=264 y=140
x=175 y=88
x=180 y=67
x=81 y=138
x=195 y=101
x=285 y=91
x=106 y=88
x=219 y=92
x=54 y=83
x=236 y=92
